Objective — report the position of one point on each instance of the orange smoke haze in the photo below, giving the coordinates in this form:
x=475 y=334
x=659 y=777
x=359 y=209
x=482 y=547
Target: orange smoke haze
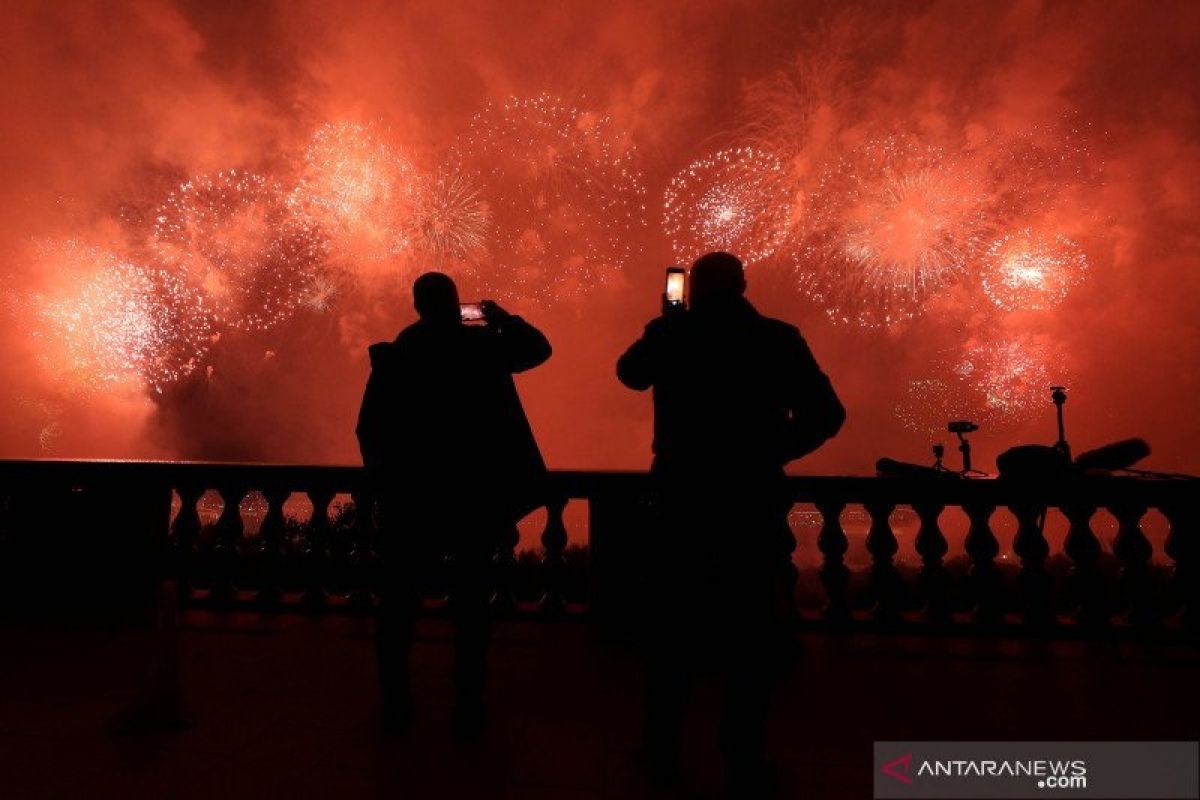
x=277 y=173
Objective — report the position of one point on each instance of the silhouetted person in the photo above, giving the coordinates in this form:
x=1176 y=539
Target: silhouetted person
x=454 y=464
x=736 y=396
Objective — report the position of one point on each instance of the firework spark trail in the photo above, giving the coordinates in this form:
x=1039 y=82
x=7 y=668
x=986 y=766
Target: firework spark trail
x=114 y=323
x=450 y=220
x=359 y=189
x=235 y=236
x=321 y=293
x=565 y=195
x=892 y=225
x=1032 y=271
x=735 y=200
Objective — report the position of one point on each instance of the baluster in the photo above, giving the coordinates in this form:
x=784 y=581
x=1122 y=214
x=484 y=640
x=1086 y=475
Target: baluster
x=1083 y=548
x=271 y=546
x=931 y=545
x=315 y=549
x=982 y=547
x=787 y=548
x=1181 y=547
x=1133 y=550
x=228 y=542
x=504 y=570
x=835 y=576
x=359 y=558
x=1031 y=547
x=882 y=545
x=184 y=532
x=554 y=541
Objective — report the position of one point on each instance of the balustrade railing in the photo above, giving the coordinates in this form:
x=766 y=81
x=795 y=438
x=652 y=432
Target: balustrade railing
x=326 y=559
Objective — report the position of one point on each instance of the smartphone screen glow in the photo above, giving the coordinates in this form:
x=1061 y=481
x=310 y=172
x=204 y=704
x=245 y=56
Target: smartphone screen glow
x=675 y=279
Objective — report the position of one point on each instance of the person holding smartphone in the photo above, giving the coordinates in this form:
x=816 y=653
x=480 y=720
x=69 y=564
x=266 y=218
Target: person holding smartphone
x=453 y=464
x=736 y=396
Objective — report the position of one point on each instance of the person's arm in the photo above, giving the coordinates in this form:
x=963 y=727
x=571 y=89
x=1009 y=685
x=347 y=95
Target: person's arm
x=522 y=346
x=816 y=413
x=638 y=367
x=370 y=429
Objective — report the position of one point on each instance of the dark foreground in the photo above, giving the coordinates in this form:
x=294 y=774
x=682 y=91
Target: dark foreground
x=284 y=706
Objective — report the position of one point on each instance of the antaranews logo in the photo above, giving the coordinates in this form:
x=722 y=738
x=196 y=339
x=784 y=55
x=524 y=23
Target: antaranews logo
x=1049 y=774
x=898 y=768
x=1018 y=770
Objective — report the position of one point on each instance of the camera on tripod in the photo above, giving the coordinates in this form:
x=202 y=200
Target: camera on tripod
x=962 y=426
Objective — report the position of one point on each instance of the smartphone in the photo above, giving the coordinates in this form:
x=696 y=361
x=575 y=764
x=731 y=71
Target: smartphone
x=675 y=286
x=471 y=312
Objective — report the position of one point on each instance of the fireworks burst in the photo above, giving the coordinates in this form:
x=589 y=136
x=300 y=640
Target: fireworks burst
x=735 y=200
x=358 y=188
x=321 y=293
x=234 y=236
x=450 y=219
x=42 y=420
x=1012 y=378
x=566 y=199
x=1030 y=271
x=1043 y=169
x=930 y=403
x=894 y=224
x=999 y=384
x=116 y=323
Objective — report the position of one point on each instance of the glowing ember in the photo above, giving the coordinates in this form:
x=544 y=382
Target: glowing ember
x=735 y=200
x=234 y=236
x=930 y=403
x=565 y=196
x=1031 y=272
x=115 y=323
x=894 y=225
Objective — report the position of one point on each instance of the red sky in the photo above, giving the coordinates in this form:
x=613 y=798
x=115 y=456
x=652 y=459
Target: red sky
x=108 y=109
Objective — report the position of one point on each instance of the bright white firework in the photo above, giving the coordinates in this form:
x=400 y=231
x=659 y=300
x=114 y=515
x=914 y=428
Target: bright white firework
x=360 y=189
x=892 y=225
x=234 y=236
x=1031 y=271
x=565 y=196
x=735 y=200
x=110 y=322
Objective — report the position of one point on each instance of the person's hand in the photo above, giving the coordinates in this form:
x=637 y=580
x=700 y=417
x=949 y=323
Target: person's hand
x=670 y=309
x=494 y=314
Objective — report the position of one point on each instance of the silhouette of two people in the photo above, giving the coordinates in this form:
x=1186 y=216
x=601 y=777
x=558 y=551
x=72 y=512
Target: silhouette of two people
x=453 y=464
x=736 y=396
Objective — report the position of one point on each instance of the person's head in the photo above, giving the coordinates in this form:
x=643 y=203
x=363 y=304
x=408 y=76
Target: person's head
x=436 y=297
x=717 y=279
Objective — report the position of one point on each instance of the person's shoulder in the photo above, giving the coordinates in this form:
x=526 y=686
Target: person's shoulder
x=381 y=354
x=777 y=328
